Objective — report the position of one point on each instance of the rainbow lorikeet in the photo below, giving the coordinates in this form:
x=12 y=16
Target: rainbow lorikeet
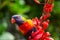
x=29 y=29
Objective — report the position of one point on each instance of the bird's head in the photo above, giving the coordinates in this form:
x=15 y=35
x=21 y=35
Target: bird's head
x=18 y=19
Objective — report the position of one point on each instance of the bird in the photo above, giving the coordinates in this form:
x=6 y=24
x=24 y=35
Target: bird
x=29 y=29
x=25 y=26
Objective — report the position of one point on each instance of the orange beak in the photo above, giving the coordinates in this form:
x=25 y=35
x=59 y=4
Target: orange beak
x=12 y=20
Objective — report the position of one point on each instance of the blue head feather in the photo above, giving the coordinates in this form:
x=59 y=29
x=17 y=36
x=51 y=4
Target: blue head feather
x=18 y=19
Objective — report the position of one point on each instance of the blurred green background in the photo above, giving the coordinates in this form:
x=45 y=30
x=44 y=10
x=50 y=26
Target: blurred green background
x=28 y=9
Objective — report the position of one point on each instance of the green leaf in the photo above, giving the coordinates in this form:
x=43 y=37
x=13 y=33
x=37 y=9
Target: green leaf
x=21 y=2
x=6 y=36
x=50 y=28
x=56 y=7
x=2 y=29
x=19 y=8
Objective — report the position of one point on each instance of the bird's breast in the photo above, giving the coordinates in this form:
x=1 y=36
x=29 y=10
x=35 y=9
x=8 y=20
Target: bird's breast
x=28 y=25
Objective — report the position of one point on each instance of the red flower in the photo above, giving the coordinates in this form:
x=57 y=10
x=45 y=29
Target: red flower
x=44 y=17
x=48 y=7
x=37 y=35
x=37 y=1
x=45 y=24
x=36 y=21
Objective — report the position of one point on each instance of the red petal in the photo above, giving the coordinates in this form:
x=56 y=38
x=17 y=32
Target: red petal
x=37 y=1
